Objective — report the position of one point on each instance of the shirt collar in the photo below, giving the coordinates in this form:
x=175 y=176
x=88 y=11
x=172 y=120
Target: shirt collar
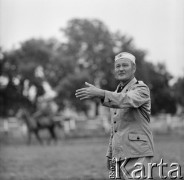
x=129 y=84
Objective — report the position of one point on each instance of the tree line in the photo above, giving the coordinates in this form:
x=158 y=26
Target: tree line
x=84 y=53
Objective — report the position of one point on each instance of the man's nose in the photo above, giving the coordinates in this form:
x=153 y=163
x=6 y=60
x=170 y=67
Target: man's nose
x=121 y=68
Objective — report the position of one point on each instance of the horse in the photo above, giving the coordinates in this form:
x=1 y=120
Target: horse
x=36 y=124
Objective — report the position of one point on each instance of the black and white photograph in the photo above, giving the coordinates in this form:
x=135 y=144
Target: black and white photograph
x=91 y=89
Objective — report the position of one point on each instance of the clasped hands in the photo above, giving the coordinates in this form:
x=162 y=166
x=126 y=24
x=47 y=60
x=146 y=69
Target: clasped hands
x=89 y=92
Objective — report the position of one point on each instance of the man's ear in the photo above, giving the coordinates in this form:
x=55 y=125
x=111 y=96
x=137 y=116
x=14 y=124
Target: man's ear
x=134 y=68
x=114 y=73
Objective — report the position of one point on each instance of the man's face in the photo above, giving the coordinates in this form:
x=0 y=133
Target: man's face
x=124 y=69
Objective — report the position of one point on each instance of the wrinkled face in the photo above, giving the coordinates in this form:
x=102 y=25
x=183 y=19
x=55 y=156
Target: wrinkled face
x=124 y=70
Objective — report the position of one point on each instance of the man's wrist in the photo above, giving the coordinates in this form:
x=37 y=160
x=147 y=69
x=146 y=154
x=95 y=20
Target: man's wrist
x=101 y=93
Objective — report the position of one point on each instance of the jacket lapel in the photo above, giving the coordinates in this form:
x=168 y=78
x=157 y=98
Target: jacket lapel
x=129 y=85
x=126 y=88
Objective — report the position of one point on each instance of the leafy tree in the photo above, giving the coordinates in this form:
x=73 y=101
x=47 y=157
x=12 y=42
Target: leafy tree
x=20 y=66
x=163 y=99
x=90 y=45
x=179 y=89
x=87 y=54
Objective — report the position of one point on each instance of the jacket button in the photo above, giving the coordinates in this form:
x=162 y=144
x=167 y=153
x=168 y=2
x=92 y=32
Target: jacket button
x=115 y=113
x=115 y=131
x=138 y=138
x=114 y=122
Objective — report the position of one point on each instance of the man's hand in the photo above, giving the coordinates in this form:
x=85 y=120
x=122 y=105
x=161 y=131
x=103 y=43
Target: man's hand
x=109 y=163
x=89 y=92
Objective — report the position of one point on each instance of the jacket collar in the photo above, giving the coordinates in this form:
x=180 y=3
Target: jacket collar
x=128 y=85
x=133 y=81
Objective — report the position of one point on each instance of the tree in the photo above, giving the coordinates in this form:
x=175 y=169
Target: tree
x=163 y=98
x=20 y=67
x=178 y=88
x=90 y=45
x=87 y=54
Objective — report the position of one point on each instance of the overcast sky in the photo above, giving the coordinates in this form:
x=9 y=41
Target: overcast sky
x=156 y=25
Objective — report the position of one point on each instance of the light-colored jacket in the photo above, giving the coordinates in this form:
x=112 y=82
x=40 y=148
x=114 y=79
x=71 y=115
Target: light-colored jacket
x=131 y=135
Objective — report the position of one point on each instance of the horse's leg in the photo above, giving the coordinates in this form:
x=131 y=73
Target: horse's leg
x=53 y=133
x=38 y=136
x=29 y=137
x=49 y=139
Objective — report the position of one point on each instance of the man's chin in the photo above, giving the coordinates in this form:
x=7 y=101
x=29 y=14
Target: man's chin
x=122 y=79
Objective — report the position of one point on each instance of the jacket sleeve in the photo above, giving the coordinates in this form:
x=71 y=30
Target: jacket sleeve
x=135 y=97
x=109 y=149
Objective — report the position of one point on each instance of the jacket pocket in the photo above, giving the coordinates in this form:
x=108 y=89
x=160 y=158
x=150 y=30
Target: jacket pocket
x=137 y=137
x=139 y=143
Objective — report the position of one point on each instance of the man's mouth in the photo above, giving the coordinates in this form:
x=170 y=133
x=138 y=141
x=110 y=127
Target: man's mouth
x=121 y=74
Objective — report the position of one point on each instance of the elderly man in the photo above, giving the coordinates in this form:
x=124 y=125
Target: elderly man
x=131 y=139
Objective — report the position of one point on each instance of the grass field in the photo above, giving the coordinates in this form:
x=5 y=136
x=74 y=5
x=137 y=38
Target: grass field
x=73 y=158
